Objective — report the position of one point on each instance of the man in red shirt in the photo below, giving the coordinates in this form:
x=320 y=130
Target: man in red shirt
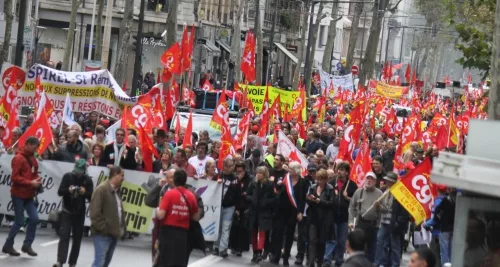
x=25 y=185
x=177 y=208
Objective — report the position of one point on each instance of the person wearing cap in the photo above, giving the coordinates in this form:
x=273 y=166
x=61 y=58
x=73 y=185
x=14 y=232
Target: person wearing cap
x=76 y=190
x=419 y=154
x=367 y=217
x=393 y=226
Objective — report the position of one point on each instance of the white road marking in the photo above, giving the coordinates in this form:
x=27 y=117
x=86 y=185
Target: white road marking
x=206 y=261
x=49 y=243
x=4 y=256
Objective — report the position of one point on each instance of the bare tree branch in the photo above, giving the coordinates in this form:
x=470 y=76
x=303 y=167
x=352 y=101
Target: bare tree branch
x=395 y=7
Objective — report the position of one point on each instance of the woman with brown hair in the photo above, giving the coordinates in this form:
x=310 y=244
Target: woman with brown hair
x=210 y=171
x=261 y=196
x=97 y=150
x=320 y=213
x=164 y=163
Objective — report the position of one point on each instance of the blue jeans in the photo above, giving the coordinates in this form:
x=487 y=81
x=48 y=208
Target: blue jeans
x=445 y=241
x=383 y=245
x=104 y=247
x=225 y=229
x=336 y=248
x=20 y=205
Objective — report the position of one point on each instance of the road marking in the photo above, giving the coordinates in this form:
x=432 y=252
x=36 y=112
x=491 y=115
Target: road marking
x=206 y=261
x=4 y=256
x=49 y=243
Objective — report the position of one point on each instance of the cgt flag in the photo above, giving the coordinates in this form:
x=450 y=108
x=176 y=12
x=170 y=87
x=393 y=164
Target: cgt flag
x=415 y=191
x=41 y=130
x=248 y=61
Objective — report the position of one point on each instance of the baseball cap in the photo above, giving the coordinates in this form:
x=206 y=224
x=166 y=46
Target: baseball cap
x=391 y=177
x=80 y=166
x=370 y=174
x=420 y=150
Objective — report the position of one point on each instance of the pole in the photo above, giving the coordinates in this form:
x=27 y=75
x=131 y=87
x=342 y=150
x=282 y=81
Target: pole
x=18 y=60
x=200 y=52
x=382 y=41
x=412 y=42
x=73 y=50
x=362 y=42
x=89 y=56
x=268 y=72
x=387 y=42
x=138 y=52
x=401 y=48
x=307 y=78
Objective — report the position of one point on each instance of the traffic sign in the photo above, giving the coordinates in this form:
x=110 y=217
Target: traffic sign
x=354 y=69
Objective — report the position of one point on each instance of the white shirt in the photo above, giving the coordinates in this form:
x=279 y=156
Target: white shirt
x=199 y=164
x=118 y=204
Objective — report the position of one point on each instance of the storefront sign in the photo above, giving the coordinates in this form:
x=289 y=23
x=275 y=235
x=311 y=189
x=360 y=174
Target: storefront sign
x=133 y=192
x=151 y=41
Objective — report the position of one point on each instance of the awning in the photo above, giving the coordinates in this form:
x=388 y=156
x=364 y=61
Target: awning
x=224 y=46
x=209 y=46
x=287 y=53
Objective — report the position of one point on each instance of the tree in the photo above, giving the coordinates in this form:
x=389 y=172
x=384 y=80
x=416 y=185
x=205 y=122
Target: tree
x=358 y=9
x=330 y=42
x=98 y=29
x=7 y=7
x=300 y=51
x=124 y=36
x=171 y=22
x=236 y=44
x=259 y=51
x=314 y=28
x=69 y=39
x=494 y=94
x=368 y=61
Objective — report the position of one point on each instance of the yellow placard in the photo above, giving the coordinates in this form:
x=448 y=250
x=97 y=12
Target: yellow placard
x=137 y=214
x=258 y=93
x=389 y=91
x=409 y=202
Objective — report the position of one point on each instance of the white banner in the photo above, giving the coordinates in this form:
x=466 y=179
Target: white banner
x=89 y=91
x=344 y=81
x=290 y=151
x=133 y=192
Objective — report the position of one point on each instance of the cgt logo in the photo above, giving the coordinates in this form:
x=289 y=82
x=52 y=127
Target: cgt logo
x=210 y=229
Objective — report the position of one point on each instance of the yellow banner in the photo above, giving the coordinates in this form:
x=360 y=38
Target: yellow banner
x=409 y=202
x=257 y=94
x=389 y=91
x=137 y=214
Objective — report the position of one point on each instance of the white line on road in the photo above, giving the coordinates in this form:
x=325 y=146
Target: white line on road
x=49 y=243
x=206 y=261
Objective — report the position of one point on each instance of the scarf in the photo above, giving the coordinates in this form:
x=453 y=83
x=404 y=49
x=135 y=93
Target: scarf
x=118 y=153
x=289 y=190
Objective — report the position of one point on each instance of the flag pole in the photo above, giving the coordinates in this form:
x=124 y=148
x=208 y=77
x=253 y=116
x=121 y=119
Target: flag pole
x=373 y=205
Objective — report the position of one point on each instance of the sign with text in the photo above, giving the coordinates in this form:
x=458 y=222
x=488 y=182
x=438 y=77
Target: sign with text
x=389 y=91
x=133 y=193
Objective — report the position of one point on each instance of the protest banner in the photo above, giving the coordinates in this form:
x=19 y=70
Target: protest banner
x=344 y=81
x=138 y=216
x=89 y=91
x=257 y=94
x=389 y=91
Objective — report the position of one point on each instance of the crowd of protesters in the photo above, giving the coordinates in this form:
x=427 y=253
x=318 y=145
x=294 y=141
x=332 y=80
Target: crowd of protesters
x=268 y=201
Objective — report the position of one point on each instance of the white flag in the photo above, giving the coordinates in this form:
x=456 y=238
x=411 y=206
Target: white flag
x=110 y=132
x=68 y=117
x=41 y=105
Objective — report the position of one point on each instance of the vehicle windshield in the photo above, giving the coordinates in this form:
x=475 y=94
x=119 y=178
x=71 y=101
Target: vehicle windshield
x=202 y=122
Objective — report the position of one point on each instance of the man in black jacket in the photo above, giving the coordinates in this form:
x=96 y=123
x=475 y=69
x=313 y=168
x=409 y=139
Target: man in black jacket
x=356 y=242
x=75 y=189
x=344 y=190
x=72 y=150
x=388 y=156
x=119 y=154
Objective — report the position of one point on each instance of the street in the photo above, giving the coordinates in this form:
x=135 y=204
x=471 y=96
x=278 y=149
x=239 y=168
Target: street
x=129 y=253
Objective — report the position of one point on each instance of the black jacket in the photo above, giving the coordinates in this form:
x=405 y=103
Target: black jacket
x=243 y=204
x=71 y=203
x=399 y=218
x=358 y=260
x=261 y=198
x=127 y=163
x=70 y=153
x=342 y=204
x=388 y=160
x=321 y=214
x=230 y=190
x=300 y=191
x=445 y=213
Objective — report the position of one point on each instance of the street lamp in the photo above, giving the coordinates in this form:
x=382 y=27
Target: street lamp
x=39 y=32
x=308 y=66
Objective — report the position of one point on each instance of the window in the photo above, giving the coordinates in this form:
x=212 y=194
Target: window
x=321 y=36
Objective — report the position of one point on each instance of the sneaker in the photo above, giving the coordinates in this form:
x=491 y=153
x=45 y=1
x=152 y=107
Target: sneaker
x=285 y=262
x=264 y=255
x=22 y=229
x=298 y=260
x=216 y=252
x=29 y=251
x=11 y=251
x=238 y=253
x=223 y=254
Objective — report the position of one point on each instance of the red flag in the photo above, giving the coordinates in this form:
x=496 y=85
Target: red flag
x=361 y=166
x=148 y=150
x=220 y=117
x=41 y=130
x=351 y=135
x=265 y=115
x=188 y=140
x=415 y=192
x=185 y=50
x=177 y=129
x=124 y=123
x=158 y=120
x=207 y=86
x=408 y=73
x=227 y=148
x=248 y=60
x=171 y=59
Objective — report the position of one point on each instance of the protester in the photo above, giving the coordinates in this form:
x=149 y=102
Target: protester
x=177 y=208
x=76 y=190
x=422 y=257
x=199 y=161
x=181 y=162
x=253 y=162
x=164 y=163
x=239 y=238
x=107 y=217
x=365 y=209
x=118 y=153
x=97 y=154
x=26 y=184
x=210 y=171
x=355 y=247
x=72 y=150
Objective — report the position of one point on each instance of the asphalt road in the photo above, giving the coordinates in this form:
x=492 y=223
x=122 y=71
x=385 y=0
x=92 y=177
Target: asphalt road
x=129 y=253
